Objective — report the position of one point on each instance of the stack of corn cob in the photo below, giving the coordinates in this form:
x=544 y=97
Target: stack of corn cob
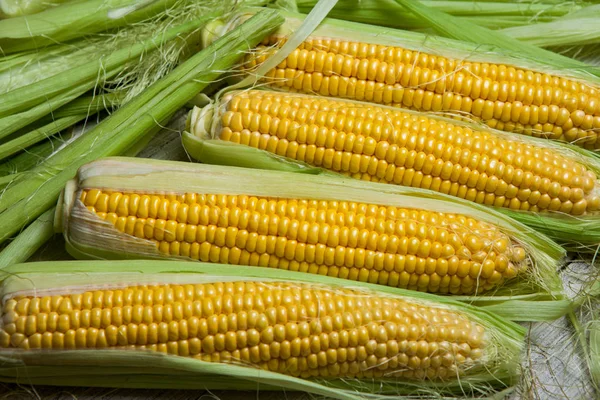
x=375 y=211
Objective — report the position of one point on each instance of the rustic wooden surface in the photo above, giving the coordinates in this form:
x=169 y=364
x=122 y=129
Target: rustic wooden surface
x=554 y=368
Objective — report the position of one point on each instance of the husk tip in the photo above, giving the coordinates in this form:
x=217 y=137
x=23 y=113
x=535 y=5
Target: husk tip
x=64 y=204
x=199 y=121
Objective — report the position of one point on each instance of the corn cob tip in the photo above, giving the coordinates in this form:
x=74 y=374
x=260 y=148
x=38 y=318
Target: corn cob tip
x=199 y=121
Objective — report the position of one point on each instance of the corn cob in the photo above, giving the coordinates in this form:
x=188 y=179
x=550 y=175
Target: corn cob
x=390 y=146
x=383 y=144
x=276 y=323
x=406 y=69
x=275 y=326
x=361 y=237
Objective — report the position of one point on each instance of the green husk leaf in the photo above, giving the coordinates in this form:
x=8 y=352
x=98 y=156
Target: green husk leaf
x=139 y=118
x=574 y=29
x=70 y=21
x=32 y=156
x=20 y=143
x=490 y=14
x=29 y=241
x=21 y=69
x=63 y=118
x=594 y=362
x=12 y=122
x=452 y=27
x=88 y=237
x=17 y=8
x=8 y=179
x=69 y=275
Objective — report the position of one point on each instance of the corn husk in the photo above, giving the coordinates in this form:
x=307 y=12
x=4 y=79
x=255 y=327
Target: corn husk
x=135 y=369
x=574 y=29
x=88 y=236
x=73 y=20
x=29 y=241
x=17 y=8
x=489 y=14
x=81 y=109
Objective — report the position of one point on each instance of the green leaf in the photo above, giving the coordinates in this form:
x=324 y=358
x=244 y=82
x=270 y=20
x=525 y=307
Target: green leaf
x=70 y=21
x=16 y=8
x=490 y=14
x=29 y=241
x=452 y=27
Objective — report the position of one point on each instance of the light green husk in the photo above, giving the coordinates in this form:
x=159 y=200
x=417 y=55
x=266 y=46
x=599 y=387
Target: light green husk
x=90 y=237
x=594 y=363
x=102 y=367
x=580 y=233
x=63 y=118
x=490 y=14
x=71 y=20
x=137 y=120
x=32 y=156
x=452 y=27
x=578 y=28
x=29 y=241
x=25 y=68
x=589 y=54
x=17 y=8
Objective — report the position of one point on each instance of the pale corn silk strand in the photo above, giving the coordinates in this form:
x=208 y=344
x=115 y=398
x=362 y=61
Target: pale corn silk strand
x=379 y=144
x=308 y=331
x=503 y=97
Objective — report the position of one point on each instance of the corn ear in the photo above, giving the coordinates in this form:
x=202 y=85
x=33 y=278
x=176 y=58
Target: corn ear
x=121 y=208
x=510 y=92
x=304 y=133
x=496 y=343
